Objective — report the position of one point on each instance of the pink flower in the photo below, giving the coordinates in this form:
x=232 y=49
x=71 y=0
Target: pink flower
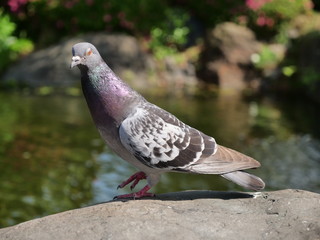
x=261 y=21
x=15 y=5
x=269 y=22
x=256 y=4
x=264 y=21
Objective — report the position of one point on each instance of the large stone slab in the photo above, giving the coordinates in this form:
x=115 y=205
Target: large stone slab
x=287 y=214
x=226 y=57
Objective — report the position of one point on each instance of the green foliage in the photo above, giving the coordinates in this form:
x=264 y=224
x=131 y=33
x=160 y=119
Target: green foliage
x=310 y=77
x=286 y=9
x=211 y=12
x=299 y=26
x=265 y=58
x=67 y=17
x=164 y=24
x=270 y=18
x=10 y=46
x=169 y=35
x=288 y=71
x=161 y=22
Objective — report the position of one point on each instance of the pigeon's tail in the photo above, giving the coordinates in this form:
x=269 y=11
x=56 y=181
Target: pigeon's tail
x=245 y=179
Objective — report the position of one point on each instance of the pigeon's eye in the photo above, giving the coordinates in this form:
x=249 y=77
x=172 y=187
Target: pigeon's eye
x=88 y=52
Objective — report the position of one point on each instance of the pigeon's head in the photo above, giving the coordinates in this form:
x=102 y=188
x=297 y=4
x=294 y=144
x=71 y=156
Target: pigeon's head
x=85 y=55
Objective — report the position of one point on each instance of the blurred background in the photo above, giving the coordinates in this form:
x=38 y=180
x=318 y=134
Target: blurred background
x=244 y=72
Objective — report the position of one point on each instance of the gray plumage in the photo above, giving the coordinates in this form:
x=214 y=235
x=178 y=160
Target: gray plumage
x=150 y=138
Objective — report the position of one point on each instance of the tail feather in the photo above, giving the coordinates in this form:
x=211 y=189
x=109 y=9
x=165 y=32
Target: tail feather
x=223 y=161
x=245 y=179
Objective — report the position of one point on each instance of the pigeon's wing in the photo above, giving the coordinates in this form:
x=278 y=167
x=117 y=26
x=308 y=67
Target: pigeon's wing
x=160 y=140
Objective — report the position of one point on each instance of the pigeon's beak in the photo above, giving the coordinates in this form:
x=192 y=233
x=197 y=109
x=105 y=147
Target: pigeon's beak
x=75 y=61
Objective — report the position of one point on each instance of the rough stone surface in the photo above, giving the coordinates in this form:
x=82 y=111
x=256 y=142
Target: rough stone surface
x=226 y=57
x=287 y=214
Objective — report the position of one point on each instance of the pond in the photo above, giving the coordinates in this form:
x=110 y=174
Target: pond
x=52 y=158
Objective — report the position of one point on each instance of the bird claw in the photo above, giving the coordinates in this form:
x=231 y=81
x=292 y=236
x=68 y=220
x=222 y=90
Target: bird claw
x=142 y=193
x=135 y=177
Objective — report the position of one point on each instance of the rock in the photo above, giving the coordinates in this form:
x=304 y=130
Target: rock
x=236 y=43
x=50 y=66
x=178 y=75
x=123 y=53
x=226 y=57
x=286 y=214
x=302 y=25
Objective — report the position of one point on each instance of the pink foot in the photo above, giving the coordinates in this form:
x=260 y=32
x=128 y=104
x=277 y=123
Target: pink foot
x=142 y=193
x=135 y=178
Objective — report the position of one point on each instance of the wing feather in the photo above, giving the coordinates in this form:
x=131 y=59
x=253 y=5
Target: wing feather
x=160 y=140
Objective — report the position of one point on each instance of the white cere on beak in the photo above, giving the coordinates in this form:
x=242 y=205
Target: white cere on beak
x=75 y=61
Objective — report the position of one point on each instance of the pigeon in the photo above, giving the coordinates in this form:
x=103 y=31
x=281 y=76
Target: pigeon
x=147 y=136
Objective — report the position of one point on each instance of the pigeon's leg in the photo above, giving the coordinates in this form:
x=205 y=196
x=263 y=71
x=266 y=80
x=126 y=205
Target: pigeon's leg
x=135 y=178
x=142 y=193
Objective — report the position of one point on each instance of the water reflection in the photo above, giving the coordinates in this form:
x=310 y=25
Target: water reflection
x=291 y=163
x=52 y=158
x=45 y=163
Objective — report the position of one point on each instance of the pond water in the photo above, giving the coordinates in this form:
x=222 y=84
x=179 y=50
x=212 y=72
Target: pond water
x=52 y=158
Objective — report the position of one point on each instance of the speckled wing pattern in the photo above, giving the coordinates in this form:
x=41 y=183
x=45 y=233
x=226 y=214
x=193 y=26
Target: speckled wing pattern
x=160 y=140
